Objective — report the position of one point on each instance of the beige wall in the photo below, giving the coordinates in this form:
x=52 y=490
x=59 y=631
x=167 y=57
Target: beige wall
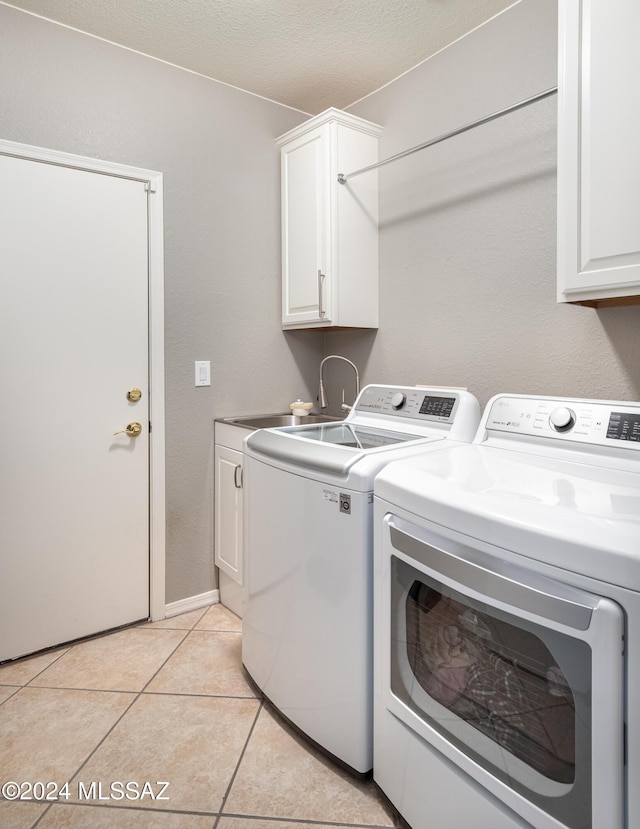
x=215 y=146
x=467 y=236
x=468 y=231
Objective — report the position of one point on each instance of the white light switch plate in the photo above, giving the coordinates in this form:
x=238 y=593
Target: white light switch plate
x=203 y=373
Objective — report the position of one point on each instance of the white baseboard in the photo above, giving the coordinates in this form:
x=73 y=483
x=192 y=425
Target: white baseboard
x=191 y=603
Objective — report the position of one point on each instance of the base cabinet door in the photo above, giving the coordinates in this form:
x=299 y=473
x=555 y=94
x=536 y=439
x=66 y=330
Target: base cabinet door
x=329 y=230
x=228 y=511
x=598 y=159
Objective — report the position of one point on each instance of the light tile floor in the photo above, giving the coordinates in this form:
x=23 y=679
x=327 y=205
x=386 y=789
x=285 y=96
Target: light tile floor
x=165 y=701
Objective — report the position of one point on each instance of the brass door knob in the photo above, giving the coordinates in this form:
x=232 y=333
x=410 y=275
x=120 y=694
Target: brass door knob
x=132 y=429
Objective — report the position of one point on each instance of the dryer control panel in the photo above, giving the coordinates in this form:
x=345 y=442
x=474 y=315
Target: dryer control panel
x=587 y=421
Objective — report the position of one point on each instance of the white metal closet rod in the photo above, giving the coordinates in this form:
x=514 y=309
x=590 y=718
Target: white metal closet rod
x=342 y=178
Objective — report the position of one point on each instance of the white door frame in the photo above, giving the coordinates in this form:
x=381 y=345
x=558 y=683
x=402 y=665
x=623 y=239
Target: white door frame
x=153 y=183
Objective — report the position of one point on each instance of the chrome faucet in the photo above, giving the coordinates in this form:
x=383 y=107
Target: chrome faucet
x=322 y=396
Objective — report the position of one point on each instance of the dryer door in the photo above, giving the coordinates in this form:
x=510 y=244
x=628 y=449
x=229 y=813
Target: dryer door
x=516 y=678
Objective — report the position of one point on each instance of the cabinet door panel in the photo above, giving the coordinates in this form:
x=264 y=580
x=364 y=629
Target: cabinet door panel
x=305 y=194
x=611 y=130
x=598 y=162
x=228 y=511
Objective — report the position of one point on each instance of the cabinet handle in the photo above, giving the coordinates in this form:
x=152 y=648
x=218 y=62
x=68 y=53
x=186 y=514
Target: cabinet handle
x=235 y=476
x=321 y=310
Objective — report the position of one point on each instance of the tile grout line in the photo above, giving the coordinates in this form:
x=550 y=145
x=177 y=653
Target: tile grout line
x=237 y=768
x=154 y=810
x=68 y=646
x=305 y=821
x=98 y=691
x=38 y=819
x=16 y=689
x=179 y=645
x=104 y=690
x=137 y=696
x=77 y=643
x=121 y=691
x=193 y=695
x=36 y=655
x=155 y=673
x=93 y=751
x=148 y=623
x=217 y=816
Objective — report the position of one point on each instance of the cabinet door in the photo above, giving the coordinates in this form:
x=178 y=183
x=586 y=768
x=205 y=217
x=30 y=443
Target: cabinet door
x=598 y=159
x=228 y=511
x=306 y=293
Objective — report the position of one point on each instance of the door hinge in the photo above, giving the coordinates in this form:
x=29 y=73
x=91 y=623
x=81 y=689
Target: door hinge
x=149 y=187
x=149 y=427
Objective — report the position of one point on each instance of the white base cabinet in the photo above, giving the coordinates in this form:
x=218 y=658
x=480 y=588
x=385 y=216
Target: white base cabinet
x=329 y=230
x=228 y=513
x=598 y=158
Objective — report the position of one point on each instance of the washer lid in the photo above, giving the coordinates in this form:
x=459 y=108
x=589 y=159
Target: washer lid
x=349 y=435
x=328 y=447
x=576 y=516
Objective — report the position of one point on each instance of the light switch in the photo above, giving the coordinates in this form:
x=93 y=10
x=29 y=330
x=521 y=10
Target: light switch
x=203 y=373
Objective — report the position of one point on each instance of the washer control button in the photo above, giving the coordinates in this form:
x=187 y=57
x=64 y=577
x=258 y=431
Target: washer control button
x=562 y=419
x=398 y=400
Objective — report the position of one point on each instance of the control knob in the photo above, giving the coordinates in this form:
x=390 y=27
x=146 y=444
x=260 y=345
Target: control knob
x=398 y=400
x=562 y=419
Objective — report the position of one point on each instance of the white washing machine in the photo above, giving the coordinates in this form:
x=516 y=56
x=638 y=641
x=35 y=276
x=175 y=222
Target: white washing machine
x=308 y=546
x=507 y=622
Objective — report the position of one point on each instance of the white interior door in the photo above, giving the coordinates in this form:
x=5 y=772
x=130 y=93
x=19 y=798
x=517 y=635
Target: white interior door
x=74 y=535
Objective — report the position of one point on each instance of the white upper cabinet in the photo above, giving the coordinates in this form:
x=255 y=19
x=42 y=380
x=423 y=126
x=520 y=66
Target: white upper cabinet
x=329 y=230
x=598 y=152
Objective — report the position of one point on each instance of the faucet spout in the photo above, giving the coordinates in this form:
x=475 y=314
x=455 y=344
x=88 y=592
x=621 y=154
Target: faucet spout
x=322 y=395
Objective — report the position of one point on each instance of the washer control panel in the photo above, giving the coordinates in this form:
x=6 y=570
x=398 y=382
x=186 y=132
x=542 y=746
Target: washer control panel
x=587 y=421
x=411 y=402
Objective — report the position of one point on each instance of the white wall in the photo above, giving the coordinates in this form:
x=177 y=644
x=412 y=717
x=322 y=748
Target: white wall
x=468 y=231
x=215 y=146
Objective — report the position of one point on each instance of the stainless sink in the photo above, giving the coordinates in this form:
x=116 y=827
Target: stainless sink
x=269 y=421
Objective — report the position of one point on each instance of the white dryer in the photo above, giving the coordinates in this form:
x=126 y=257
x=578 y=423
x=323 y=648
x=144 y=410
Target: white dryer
x=308 y=547
x=507 y=622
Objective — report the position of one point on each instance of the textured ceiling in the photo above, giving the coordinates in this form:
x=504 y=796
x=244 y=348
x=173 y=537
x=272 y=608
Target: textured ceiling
x=307 y=54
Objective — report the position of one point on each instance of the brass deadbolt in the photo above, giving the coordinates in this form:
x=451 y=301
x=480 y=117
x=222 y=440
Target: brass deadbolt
x=133 y=395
